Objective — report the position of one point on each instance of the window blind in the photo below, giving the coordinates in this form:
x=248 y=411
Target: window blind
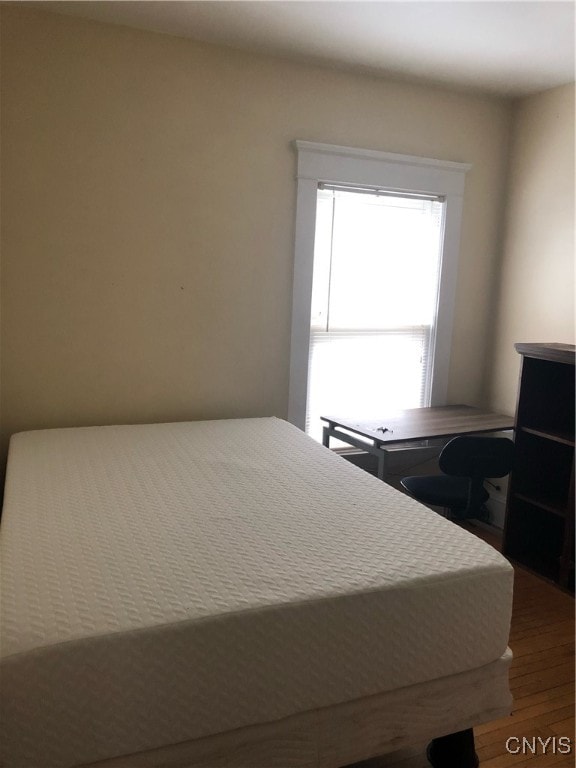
x=374 y=302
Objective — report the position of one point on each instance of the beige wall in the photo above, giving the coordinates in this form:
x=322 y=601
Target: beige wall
x=536 y=295
x=148 y=201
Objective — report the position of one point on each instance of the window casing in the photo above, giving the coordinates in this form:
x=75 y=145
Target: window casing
x=324 y=166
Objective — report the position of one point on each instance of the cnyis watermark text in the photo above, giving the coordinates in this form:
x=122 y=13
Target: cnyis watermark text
x=539 y=745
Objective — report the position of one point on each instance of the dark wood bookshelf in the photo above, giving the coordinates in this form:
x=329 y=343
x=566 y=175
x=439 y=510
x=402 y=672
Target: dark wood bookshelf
x=539 y=528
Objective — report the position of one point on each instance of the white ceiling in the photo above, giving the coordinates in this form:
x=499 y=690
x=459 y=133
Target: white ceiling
x=511 y=48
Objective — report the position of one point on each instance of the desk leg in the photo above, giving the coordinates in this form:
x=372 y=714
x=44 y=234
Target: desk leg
x=326 y=437
x=381 y=455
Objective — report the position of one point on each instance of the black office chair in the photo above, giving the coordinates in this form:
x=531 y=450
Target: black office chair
x=466 y=462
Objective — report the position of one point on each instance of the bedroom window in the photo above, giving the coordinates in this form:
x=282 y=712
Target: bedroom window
x=377 y=239
x=374 y=302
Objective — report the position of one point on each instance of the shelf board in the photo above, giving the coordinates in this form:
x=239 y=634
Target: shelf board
x=558 y=353
x=558 y=437
x=555 y=507
x=547 y=568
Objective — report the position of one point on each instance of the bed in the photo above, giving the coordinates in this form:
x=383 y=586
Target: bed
x=231 y=593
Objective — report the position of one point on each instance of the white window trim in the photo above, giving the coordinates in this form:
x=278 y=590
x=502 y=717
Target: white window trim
x=370 y=168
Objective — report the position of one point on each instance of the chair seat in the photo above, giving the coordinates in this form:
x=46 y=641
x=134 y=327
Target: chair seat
x=441 y=490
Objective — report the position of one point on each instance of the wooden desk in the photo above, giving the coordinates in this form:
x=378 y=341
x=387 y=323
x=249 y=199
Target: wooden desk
x=412 y=425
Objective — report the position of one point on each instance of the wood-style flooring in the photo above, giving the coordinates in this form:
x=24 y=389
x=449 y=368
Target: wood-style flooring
x=541 y=681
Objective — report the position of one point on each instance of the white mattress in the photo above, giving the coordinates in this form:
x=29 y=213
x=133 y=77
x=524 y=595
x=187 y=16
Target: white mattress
x=166 y=582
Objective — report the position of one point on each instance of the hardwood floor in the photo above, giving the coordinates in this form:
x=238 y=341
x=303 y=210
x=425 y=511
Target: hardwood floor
x=541 y=681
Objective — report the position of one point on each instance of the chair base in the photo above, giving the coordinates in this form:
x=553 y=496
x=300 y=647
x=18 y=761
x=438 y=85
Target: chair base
x=456 y=515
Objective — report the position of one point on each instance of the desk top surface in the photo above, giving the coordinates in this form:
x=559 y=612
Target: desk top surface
x=424 y=423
